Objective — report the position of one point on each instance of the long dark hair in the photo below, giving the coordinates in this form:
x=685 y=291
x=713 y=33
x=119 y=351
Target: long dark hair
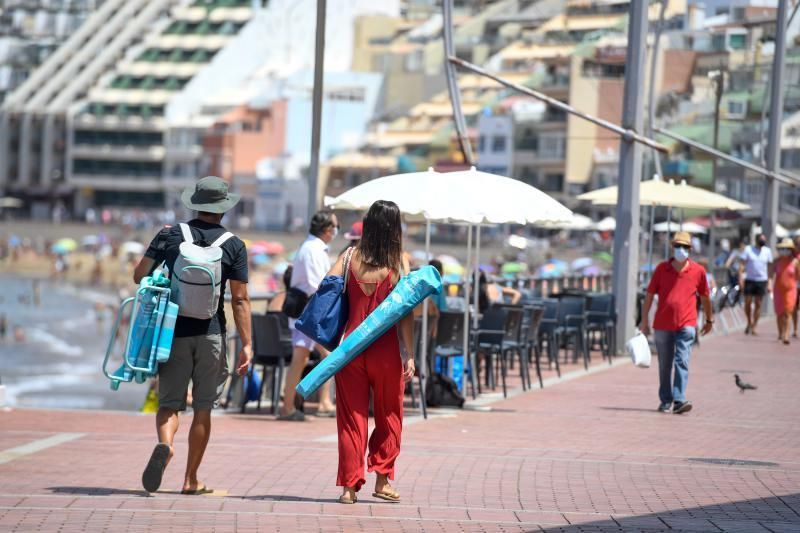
x=382 y=239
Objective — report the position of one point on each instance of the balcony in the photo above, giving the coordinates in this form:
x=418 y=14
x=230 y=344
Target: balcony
x=527 y=145
x=111 y=152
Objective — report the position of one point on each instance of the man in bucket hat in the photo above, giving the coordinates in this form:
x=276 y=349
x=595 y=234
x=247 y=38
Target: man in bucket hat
x=198 y=349
x=677 y=282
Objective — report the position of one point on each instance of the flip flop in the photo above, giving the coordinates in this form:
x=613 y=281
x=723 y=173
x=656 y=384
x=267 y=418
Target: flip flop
x=388 y=496
x=294 y=416
x=154 y=471
x=326 y=414
x=198 y=491
x=347 y=501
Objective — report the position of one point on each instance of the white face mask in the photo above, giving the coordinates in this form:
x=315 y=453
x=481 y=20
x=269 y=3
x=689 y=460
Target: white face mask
x=681 y=254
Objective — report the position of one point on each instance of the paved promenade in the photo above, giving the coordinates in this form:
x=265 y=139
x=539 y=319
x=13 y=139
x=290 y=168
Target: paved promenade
x=589 y=454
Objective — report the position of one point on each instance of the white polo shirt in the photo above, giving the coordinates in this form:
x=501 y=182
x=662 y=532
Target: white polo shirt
x=757 y=262
x=310 y=265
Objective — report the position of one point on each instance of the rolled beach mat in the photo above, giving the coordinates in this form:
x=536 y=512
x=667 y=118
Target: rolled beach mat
x=409 y=292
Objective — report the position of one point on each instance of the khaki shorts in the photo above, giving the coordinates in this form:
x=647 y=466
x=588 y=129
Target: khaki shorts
x=201 y=359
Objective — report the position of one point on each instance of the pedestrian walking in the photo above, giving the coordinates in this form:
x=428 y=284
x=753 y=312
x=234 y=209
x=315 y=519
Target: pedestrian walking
x=677 y=283
x=787 y=274
x=376 y=265
x=757 y=266
x=199 y=347
x=310 y=265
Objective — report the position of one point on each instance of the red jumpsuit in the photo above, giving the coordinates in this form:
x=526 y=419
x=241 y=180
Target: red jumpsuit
x=379 y=367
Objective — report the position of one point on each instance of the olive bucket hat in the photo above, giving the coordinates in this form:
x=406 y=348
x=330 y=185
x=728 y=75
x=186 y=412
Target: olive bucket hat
x=209 y=195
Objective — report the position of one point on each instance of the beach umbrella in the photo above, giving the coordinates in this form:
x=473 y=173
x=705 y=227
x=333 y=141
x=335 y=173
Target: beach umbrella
x=448 y=259
x=279 y=268
x=513 y=267
x=605 y=257
x=454 y=269
x=69 y=245
x=780 y=231
x=421 y=255
x=260 y=259
x=581 y=263
x=658 y=193
x=275 y=248
x=90 y=240
x=58 y=249
x=132 y=248
x=577 y=223
x=257 y=249
x=672 y=227
x=607 y=224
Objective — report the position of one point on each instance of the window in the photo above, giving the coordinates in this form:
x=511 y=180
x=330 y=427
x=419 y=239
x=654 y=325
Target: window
x=481 y=143
x=737 y=42
x=552 y=147
x=498 y=143
x=737 y=108
x=553 y=182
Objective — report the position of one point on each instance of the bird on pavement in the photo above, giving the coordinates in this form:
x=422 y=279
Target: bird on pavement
x=742 y=385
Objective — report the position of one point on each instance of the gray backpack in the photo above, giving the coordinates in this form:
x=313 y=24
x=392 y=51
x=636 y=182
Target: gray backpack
x=197 y=275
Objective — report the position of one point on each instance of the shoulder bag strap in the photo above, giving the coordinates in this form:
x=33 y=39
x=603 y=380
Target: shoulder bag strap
x=187 y=233
x=221 y=240
x=348 y=255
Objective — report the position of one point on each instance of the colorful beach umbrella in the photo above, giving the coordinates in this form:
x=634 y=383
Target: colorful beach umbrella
x=69 y=245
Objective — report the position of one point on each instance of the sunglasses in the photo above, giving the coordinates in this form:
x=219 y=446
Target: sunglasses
x=682 y=246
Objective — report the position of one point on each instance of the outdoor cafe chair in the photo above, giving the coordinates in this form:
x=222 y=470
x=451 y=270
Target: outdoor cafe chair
x=547 y=331
x=572 y=326
x=269 y=351
x=421 y=372
x=600 y=321
x=531 y=326
x=515 y=341
x=487 y=340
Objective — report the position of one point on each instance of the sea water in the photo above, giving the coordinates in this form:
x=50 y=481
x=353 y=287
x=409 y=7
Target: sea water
x=53 y=347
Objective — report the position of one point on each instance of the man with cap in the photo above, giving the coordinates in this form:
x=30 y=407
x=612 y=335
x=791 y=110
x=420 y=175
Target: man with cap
x=198 y=349
x=677 y=283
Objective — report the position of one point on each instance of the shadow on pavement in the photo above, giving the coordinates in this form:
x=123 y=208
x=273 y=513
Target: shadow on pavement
x=778 y=514
x=285 y=498
x=97 y=491
x=630 y=409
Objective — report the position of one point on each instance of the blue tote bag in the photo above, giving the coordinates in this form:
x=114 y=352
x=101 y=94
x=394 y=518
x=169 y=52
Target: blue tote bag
x=325 y=315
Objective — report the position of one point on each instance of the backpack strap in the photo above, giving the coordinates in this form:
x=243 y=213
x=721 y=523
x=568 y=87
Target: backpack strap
x=187 y=233
x=221 y=240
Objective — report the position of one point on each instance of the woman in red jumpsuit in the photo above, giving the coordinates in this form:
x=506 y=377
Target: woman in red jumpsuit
x=375 y=267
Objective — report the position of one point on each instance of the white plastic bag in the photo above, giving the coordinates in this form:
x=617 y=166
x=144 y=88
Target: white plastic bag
x=639 y=350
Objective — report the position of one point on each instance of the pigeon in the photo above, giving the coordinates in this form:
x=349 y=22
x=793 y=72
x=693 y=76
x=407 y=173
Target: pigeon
x=742 y=385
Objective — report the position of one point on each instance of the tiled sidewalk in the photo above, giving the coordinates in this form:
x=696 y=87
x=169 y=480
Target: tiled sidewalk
x=590 y=454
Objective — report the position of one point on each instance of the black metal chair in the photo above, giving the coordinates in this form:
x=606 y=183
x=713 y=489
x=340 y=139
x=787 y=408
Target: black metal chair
x=449 y=341
x=572 y=326
x=547 y=331
x=531 y=327
x=487 y=339
x=514 y=343
x=600 y=322
x=269 y=351
x=422 y=372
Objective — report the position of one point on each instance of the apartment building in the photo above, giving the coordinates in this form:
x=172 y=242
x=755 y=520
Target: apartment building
x=31 y=30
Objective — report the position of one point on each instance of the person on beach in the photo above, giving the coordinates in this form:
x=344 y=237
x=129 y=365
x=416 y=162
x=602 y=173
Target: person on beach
x=376 y=266
x=787 y=274
x=199 y=346
x=309 y=267
x=757 y=267
x=677 y=282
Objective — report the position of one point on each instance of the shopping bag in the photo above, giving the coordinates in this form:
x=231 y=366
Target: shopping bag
x=639 y=350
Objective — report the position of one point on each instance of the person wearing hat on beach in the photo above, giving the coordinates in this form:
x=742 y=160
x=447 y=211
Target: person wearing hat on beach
x=198 y=349
x=787 y=273
x=677 y=283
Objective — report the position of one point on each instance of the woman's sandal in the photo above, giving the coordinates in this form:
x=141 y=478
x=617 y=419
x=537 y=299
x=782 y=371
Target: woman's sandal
x=346 y=500
x=389 y=496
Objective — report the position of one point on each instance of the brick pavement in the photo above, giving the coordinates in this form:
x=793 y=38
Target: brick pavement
x=590 y=454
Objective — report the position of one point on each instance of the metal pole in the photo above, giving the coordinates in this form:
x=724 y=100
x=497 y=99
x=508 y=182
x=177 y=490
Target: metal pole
x=718 y=90
x=468 y=354
x=626 y=133
x=476 y=278
x=424 y=347
x=771 y=200
x=626 y=242
x=452 y=83
x=316 y=112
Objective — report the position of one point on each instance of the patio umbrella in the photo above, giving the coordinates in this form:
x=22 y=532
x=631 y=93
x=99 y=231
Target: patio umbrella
x=513 y=267
x=90 y=240
x=257 y=249
x=780 y=231
x=607 y=224
x=68 y=245
x=581 y=263
x=275 y=248
x=660 y=193
x=577 y=223
x=672 y=227
x=469 y=196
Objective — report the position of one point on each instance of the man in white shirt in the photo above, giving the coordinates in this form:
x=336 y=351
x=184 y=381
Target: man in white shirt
x=757 y=266
x=310 y=265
